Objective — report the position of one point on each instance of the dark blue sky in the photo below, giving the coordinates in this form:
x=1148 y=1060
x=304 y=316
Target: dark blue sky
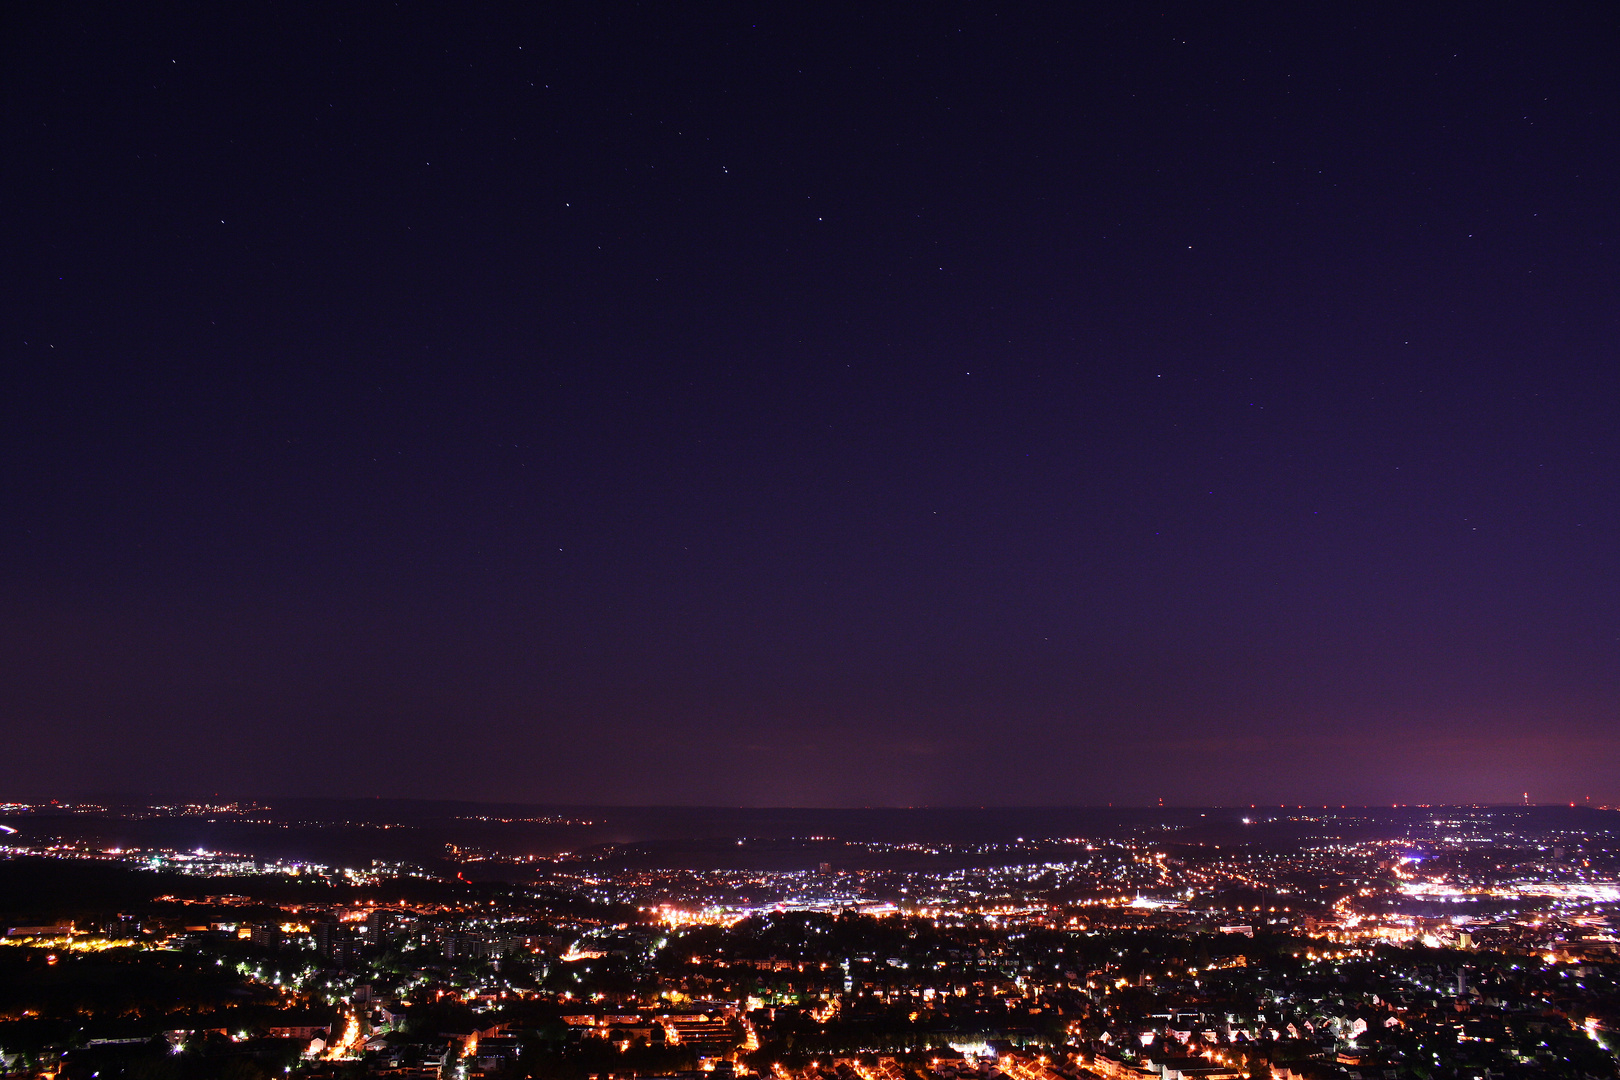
x=952 y=406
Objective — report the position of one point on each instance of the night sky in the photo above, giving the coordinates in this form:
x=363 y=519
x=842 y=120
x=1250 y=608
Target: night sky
x=942 y=404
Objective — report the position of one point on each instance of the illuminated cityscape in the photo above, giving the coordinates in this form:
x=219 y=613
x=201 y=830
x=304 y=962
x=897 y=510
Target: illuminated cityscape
x=1257 y=944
